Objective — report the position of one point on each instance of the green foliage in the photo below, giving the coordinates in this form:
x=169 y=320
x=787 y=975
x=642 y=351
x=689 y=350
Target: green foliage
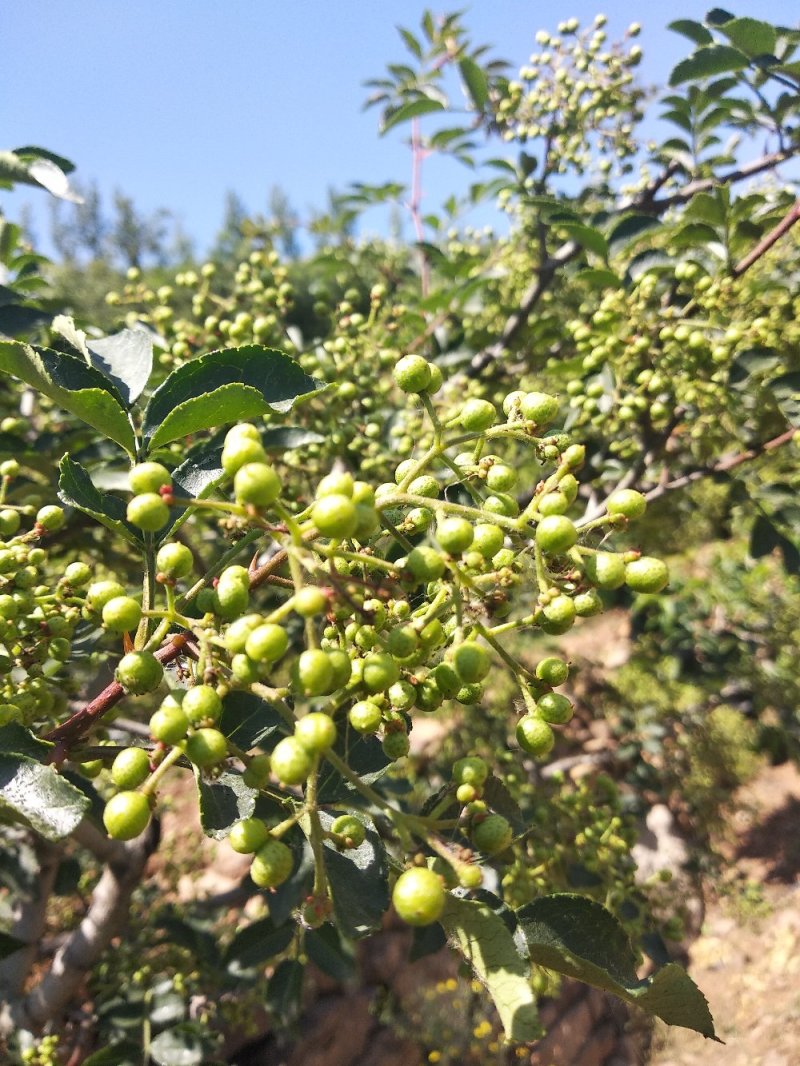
x=478 y=424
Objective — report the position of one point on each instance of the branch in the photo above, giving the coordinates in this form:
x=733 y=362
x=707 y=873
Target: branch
x=82 y=721
x=644 y=202
x=725 y=464
x=49 y=999
x=764 y=245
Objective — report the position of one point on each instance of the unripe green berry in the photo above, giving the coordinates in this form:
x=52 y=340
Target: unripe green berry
x=148 y=478
x=240 y=451
x=488 y=539
x=365 y=717
x=291 y=762
x=126 y=815
x=130 y=768
x=477 y=415
x=350 y=829
x=50 y=518
x=256 y=484
x=426 y=564
x=100 y=592
x=272 y=864
x=552 y=670
x=169 y=724
x=148 y=512
x=247 y=836
x=200 y=703
x=419 y=896
x=492 y=834
x=316 y=732
x=310 y=601
x=539 y=407
x=206 y=747
x=555 y=534
x=174 y=560
x=267 y=643
x=335 y=516
x=412 y=373
x=313 y=673
x=256 y=773
x=471 y=770
x=454 y=535
x=471 y=661
x=122 y=614
x=646 y=574
x=79 y=574
x=554 y=708
x=139 y=672
x=380 y=672
x=605 y=570
x=396 y=745
x=535 y=736
x=626 y=502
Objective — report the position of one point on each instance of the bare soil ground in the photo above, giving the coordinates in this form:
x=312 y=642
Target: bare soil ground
x=747 y=958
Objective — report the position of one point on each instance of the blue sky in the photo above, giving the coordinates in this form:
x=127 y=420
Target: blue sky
x=176 y=102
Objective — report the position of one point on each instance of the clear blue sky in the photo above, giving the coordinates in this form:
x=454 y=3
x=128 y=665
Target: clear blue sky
x=177 y=101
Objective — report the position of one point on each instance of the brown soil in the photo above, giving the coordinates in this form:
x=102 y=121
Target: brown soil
x=747 y=958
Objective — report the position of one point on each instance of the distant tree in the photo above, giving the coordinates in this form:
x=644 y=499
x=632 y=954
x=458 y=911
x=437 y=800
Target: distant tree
x=231 y=234
x=284 y=222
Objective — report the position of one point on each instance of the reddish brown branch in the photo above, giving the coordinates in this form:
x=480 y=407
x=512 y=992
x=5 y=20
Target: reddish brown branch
x=66 y=734
x=767 y=242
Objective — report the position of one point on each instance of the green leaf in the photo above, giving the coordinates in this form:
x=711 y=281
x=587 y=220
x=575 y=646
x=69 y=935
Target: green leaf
x=284 y=990
x=120 y=1053
x=39 y=170
x=706 y=62
x=74 y=386
x=597 y=278
x=485 y=941
x=364 y=755
x=749 y=362
x=180 y=1046
x=256 y=944
x=40 y=796
x=284 y=438
x=631 y=226
x=423 y=105
x=695 y=31
x=476 y=82
x=786 y=391
x=75 y=489
x=751 y=35
x=411 y=42
x=224 y=386
x=9 y=944
x=587 y=237
x=577 y=937
x=125 y=358
x=358 y=881
x=16 y=740
x=705 y=208
x=326 y=949
x=223 y=802
x=248 y=721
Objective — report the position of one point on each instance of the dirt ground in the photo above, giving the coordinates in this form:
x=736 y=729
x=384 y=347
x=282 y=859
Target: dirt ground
x=747 y=958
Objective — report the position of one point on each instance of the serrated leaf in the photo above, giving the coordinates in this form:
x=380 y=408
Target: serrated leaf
x=17 y=740
x=248 y=721
x=486 y=943
x=695 y=31
x=706 y=62
x=75 y=488
x=223 y=802
x=358 y=881
x=74 y=386
x=40 y=796
x=125 y=358
x=751 y=35
x=423 y=105
x=179 y=1046
x=476 y=81
x=577 y=937
x=364 y=755
x=256 y=944
x=229 y=385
